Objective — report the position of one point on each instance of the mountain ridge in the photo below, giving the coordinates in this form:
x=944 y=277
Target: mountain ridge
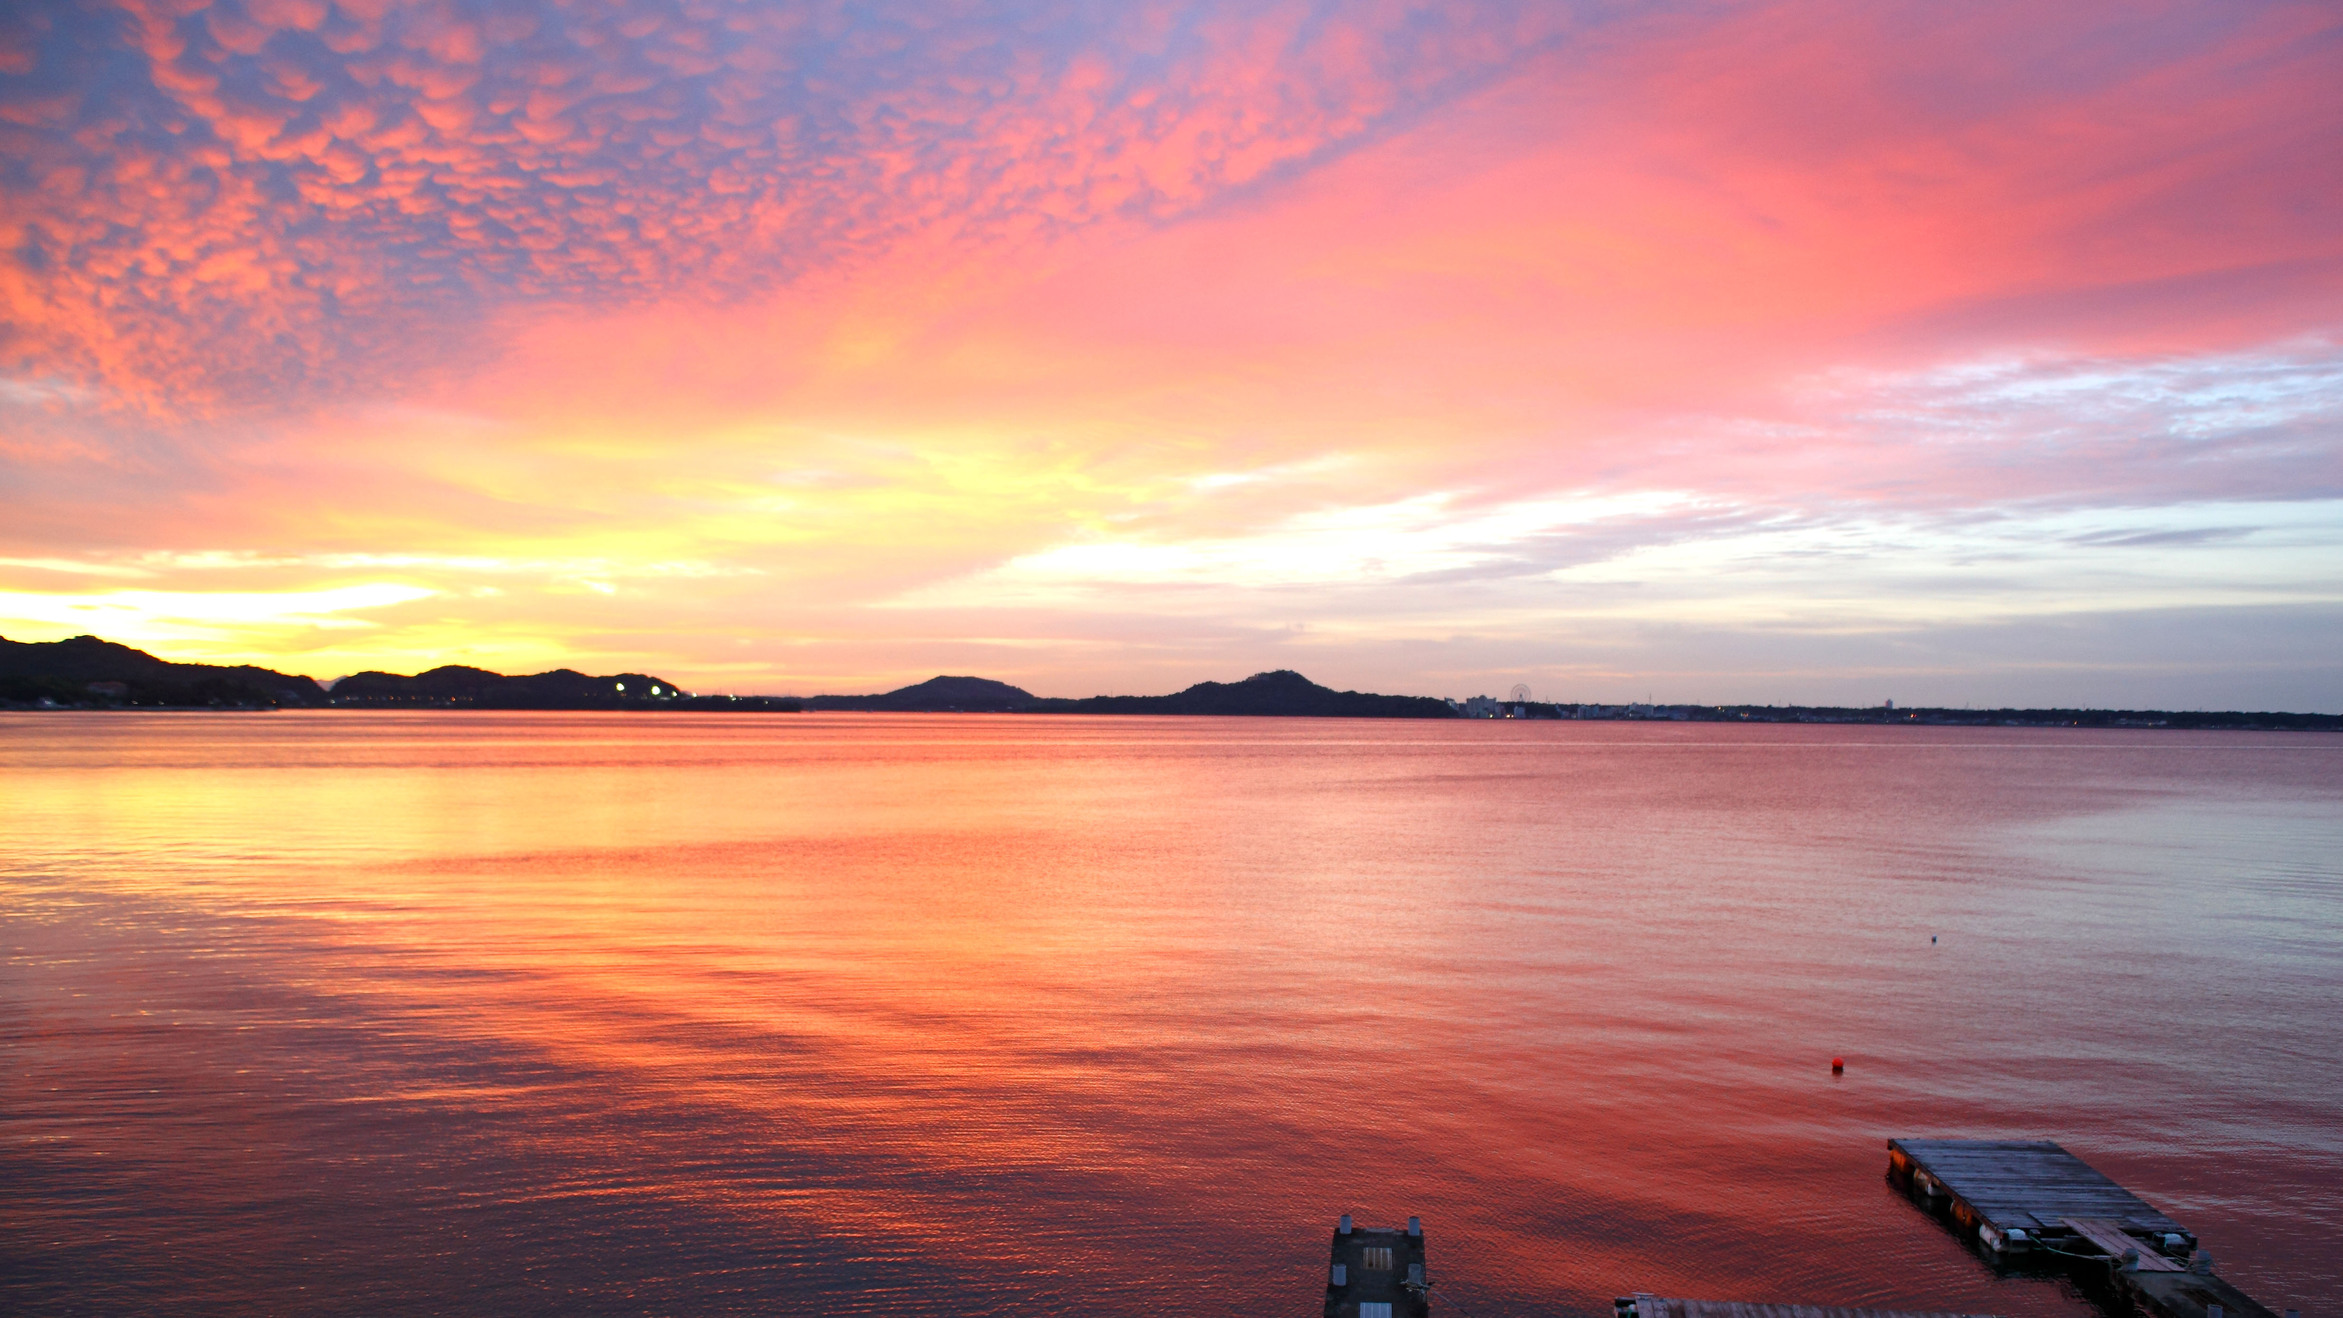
x=81 y=667
x=1278 y=693
x=937 y=695
x=88 y=672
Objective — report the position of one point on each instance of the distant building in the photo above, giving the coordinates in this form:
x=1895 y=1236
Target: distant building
x=1378 y=1272
x=110 y=690
x=1483 y=707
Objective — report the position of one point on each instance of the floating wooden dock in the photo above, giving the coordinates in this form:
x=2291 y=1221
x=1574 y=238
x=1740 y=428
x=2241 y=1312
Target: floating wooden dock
x=1378 y=1272
x=2015 y=1195
x=1654 y=1306
x=2031 y=1198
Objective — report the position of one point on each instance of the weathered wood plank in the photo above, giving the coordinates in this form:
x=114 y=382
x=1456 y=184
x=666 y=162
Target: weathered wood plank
x=2038 y=1185
x=2188 y=1295
x=2109 y=1237
x=2027 y=1183
x=1653 y=1306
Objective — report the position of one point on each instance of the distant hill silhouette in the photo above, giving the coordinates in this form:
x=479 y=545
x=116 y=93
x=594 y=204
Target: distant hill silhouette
x=962 y=695
x=1282 y=693
x=63 y=672
x=86 y=671
x=455 y=686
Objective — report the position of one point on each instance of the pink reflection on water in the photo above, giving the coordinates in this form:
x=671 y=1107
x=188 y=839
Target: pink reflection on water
x=1103 y=1015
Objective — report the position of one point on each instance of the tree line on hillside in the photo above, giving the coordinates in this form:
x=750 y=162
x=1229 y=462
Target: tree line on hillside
x=86 y=672
x=1281 y=693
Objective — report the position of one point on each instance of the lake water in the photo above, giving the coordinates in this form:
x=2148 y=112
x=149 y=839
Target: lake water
x=844 y=1014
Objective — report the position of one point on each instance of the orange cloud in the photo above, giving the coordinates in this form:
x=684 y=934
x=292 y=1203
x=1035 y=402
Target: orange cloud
x=722 y=339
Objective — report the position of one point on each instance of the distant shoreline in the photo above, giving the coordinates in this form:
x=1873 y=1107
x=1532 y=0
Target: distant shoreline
x=2168 y=721
x=88 y=673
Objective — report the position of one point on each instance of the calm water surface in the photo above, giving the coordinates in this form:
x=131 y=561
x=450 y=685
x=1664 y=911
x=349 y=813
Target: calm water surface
x=848 y=1014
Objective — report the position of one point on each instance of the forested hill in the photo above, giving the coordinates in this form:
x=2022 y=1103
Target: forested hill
x=457 y=687
x=88 y=671
x=937 y=695
x=1282 y=692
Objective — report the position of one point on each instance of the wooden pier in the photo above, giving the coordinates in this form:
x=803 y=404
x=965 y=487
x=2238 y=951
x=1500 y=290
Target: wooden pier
x=2016 y=1195
x=1654 y=1306
x=2031 y=1199
x=1378 y=1272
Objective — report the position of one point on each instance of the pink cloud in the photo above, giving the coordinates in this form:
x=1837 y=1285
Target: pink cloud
x=852 y=302
x=667 y=147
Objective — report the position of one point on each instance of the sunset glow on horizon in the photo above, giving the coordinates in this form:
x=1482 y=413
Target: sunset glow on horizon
x=1808 y=351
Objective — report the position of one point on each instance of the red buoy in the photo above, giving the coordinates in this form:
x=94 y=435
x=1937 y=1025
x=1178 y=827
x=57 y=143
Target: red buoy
x=1837 y=1064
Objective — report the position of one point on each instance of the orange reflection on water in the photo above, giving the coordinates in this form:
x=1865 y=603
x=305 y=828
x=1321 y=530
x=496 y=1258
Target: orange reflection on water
x=901 y=1014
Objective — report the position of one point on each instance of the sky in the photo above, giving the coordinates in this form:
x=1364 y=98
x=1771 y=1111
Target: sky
x=1818 y=351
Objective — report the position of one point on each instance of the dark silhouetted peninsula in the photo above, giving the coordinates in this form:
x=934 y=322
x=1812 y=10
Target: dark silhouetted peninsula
x=88 y=673
x=1918 y=716
x=1282 y=693
x=457 y=687
x=938 y=695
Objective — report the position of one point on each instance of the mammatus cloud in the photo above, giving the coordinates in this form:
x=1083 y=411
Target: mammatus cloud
x=249 y=197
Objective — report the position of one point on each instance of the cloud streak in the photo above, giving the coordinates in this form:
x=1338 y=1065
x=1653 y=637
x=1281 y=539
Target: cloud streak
x=1112 y=346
